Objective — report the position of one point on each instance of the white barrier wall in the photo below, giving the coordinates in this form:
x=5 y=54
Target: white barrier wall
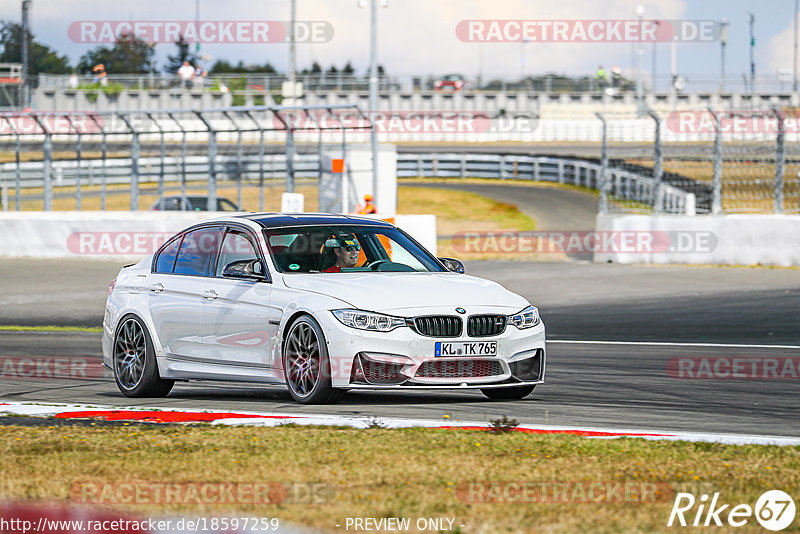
x=704 y=239
x=125 y=235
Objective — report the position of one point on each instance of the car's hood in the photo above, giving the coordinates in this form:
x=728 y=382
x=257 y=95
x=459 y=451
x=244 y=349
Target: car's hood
x=398 y=291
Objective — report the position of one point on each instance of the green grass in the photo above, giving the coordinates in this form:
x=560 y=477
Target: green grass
x=15 y=328
x=392 y=472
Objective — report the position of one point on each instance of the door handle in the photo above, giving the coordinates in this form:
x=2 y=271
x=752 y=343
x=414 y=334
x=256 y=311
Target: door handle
x=158 y=287
x=210 y=294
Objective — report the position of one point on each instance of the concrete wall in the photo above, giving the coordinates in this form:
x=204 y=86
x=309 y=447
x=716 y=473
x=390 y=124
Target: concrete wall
x=704 y=239
x=125 y=235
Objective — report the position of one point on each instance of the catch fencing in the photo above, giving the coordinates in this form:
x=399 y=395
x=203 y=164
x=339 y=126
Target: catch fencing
x=62 y=156
x=686 y=162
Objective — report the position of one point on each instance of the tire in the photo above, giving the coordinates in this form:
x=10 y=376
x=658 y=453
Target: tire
x=511 y=393
x=134 y=359
x=306 y=364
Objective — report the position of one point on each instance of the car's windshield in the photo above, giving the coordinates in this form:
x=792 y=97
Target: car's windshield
x=340 y=249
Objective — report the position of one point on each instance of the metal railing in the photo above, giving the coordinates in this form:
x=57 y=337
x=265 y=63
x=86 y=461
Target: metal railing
x=545 y=83
x=643 y=164
x=161 y=146
x=622 y=185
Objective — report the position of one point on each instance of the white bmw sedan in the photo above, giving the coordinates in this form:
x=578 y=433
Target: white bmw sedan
x=322 y=303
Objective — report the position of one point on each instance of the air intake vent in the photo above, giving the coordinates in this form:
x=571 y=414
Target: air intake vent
x=528 y=369
x=459 y=368
x=382 y=372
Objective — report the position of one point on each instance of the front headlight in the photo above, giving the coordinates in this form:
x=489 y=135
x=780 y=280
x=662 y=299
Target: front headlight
x=526 y=318
x=363 y=320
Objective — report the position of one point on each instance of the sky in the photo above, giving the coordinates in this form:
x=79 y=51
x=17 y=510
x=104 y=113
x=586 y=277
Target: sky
x=418 y=37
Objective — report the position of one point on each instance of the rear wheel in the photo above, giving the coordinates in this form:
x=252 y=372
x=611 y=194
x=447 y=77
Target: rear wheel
x=512 y=393
x=306 y=364
x=135 y=368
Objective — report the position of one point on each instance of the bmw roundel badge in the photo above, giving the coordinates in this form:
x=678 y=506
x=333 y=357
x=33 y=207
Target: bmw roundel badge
x=461 y=310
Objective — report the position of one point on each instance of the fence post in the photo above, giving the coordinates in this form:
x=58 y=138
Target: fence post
x=239 y=174
x=78 y=156
x=103 y=149
x=135 y=152
x=603 y=179
x=17 y=180
x=47 y=163
x=536 y=170
x=260 y=161
x=658 y=162
x=163 y=156
x=212 y=167
x=780 y=160
x=716 y=199
x=184 y=200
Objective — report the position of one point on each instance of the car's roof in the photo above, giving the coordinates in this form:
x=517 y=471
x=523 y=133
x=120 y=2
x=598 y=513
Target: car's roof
x=193 y=197
x=280 y=220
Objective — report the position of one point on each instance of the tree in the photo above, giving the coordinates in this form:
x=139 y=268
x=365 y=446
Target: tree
x=42 y=59
x=348 y=69
x=181 y=54
x=222 y=66
x=129 y=55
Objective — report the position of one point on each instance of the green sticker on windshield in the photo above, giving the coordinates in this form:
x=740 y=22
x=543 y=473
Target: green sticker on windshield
x=294 y=266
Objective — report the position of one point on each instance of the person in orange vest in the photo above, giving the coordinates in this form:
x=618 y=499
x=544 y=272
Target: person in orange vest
x=368 y=208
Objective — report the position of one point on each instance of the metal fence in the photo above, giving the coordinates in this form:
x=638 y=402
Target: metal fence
x=67 y=157
x=625 y=185
x=704 y=161
x=342 y=81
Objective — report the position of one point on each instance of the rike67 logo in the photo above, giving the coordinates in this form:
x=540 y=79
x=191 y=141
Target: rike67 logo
x=774 y=510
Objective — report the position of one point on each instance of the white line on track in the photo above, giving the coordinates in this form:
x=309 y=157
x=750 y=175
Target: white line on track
x=669 y=344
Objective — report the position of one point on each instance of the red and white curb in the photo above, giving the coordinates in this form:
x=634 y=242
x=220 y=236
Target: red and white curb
x=236 y=418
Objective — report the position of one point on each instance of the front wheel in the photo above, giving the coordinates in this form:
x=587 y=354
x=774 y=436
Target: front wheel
x=512 y=393
x=135 y=368
x=306 y=364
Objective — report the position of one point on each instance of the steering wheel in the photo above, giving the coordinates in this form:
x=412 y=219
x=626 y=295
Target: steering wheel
x=375 y=264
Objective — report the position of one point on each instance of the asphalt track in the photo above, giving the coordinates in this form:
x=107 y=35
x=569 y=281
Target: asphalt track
x=672 y=312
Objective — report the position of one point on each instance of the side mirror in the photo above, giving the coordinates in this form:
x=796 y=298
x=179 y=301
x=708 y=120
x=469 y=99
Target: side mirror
x=453 y=265
x=244 y=270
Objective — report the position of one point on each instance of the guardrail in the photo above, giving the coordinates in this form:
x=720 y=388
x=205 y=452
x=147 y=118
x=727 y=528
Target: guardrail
x=621 y=184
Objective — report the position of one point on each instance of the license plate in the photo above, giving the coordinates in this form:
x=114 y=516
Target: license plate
x=465 y=348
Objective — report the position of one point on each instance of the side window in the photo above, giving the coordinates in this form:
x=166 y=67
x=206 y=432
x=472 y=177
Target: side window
x=166 y=259
x=235 y=247
x=196 y=250
x=398 y=254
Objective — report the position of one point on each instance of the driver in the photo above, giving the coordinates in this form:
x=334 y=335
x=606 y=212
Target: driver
x=346 y=249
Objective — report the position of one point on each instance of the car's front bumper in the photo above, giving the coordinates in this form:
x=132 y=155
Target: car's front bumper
x=404 y=359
